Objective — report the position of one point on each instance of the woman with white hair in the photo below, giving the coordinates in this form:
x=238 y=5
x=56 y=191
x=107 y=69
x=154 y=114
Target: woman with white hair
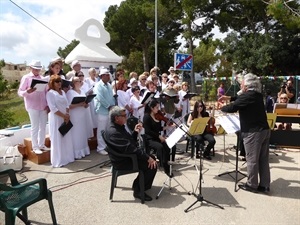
x=255 y=133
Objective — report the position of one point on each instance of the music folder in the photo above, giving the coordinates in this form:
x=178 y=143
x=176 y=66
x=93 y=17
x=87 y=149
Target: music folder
x=189 y=95
x=148 y=97
x=40 y=85
x=271 y=117
x=86 y=99
x=198 y=126
x=170 y=95
x=65 y=127
x=65 y=83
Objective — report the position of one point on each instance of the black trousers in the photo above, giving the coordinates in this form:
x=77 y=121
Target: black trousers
x=149 y=175
x=162 y=151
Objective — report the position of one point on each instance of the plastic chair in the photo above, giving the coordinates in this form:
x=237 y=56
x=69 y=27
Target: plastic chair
x=120 y=172
x=18 y=197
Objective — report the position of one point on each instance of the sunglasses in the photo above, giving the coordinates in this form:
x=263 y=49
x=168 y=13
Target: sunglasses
x=200 y=106
x=57 y=81
x=80 y=75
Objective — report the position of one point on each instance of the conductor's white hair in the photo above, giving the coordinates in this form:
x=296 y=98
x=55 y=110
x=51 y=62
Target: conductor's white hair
x=252 y=82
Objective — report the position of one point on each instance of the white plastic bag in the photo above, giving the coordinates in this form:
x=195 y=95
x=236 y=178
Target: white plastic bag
x=10 y=158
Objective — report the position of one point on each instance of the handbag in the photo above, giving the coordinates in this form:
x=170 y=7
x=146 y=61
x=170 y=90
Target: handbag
x=10 y=158
x=65 y=127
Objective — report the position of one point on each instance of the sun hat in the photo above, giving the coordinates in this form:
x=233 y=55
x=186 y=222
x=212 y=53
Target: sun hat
x=74 y=63
x=103 y=71
x=132 y=80
x=35 y=64
x=171 y=68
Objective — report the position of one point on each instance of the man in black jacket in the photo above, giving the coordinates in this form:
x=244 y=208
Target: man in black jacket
x=120 y=140
x=255 y=133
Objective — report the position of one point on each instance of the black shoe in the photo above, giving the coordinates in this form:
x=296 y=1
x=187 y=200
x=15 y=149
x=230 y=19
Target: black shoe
x=197 y=156
x=263 y=189
x=138 y=195
x=246 y=187
x=207 y=157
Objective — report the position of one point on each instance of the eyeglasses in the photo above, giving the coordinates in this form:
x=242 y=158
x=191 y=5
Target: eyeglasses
x=284 y=98
x=143 y=79
x=122 y=115
x=57 y=81
x=164 y=77
x=78 y=81
x=200 y=106
x=80 y=75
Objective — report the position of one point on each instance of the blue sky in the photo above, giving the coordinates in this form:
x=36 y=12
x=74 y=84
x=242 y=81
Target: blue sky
x=23 y=39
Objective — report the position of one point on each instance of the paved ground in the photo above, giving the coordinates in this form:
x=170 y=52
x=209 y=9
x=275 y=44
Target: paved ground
x=81 y=191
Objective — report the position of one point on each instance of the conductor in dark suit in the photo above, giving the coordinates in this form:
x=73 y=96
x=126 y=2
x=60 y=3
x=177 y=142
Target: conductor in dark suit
x=123 y=142
x=255 y=133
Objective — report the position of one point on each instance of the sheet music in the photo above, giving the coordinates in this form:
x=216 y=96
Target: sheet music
x=176 y=135
x=40 y=86
x=230 y=123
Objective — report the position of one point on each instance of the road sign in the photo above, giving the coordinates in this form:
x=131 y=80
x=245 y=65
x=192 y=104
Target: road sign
x=183 y=61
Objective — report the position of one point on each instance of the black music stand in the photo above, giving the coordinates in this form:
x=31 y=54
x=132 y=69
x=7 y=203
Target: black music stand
x=173 y=138
x=197 y=128
x=236 y=171
x=233 y=124
x=199 y=196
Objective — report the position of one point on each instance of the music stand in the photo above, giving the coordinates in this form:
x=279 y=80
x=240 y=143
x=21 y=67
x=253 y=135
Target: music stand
x=171 y=141
x=221 y=131
x=230 y=123
x=199 y=196
x=197 y=128
x=271 y=118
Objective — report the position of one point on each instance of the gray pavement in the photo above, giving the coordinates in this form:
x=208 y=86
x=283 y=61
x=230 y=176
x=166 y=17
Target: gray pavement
x=81 y=192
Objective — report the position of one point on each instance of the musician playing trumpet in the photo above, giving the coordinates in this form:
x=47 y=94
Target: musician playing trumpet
x=198 y=112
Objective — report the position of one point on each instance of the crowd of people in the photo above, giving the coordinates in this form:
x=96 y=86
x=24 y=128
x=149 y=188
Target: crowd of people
x=117 y=99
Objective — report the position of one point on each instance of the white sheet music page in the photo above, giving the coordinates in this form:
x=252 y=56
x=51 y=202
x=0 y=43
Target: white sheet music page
x=40 y=87
x=230 y=123
x=176 y=135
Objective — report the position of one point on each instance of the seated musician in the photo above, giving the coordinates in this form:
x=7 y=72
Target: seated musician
x=283 y=98
x=124 y=142
x=155 y=140
x=200 y=111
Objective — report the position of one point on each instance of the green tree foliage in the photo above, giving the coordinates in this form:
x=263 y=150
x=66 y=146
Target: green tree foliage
x=132 y=26
x=205 y=56
x=6 y=117
x=63 y=53
x=3 y=82
x=259 y=42
x=285 y=12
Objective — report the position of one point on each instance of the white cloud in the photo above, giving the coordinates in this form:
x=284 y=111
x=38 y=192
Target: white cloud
x=23 y=38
